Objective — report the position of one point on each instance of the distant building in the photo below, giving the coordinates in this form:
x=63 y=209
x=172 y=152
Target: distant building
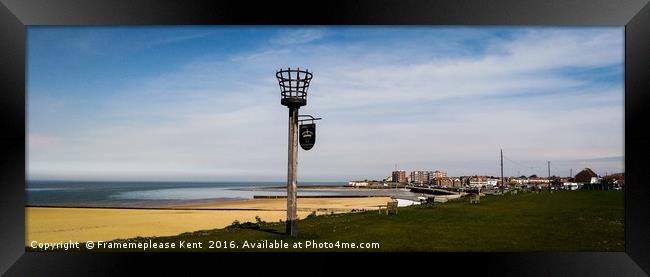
x=619 y=183
x=478 y=181
x=442 y=182
x=446 y=182
x=532 y=180
x=437 y=174
x=538 y=181
x=519 y=180
x=512 y=181
x=483 y=181
x=585 y=176
x=358 y=183
x=420 y=177
x=465 y=180
x=432 y=175
x=571 y=185
x=616 y=177
x=399 y=176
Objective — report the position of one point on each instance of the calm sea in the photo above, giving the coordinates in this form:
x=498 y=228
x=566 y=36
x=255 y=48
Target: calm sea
x=155 y=194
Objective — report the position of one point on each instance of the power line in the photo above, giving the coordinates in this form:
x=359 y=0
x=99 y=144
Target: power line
x=521 y=164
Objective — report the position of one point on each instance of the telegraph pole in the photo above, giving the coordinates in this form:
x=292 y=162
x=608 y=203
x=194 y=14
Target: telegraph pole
x=548 y=164
x=503 y=184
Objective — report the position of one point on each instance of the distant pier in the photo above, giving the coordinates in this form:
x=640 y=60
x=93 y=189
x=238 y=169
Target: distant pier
x=316 y=196
x=434 y=191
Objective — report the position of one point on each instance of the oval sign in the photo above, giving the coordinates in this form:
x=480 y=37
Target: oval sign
x=307 y=136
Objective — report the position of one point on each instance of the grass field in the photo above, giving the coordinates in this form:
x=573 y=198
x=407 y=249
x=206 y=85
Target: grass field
x=559 y=221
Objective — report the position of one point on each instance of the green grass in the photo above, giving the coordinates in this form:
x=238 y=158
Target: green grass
x=559 y=221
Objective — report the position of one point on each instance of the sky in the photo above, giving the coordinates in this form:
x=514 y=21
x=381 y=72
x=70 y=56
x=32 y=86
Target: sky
x=202 y=103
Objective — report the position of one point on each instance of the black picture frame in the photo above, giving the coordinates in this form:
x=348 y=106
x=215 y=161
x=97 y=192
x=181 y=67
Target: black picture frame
x=15 y=15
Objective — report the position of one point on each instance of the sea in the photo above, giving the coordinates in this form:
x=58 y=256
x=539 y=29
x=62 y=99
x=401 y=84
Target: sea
x=165 y=194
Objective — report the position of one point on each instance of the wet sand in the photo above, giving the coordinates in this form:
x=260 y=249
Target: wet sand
x=328 y=204
x=82 y=224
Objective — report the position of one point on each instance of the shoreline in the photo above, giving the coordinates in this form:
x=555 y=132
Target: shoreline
x=171 y=205
x=249 y=193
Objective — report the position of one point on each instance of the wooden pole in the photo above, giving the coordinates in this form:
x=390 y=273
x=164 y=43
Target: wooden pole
x=503 y=184
x=548 y=163
x=292 y=174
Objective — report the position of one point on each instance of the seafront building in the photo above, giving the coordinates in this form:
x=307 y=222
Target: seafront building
x=530 y=181
x=446 y=182
x=437 y=174
x=478 y=181
x=420 y=177
x=585 y=179
x=399 y=176
x=585 y=176
x=358 y=183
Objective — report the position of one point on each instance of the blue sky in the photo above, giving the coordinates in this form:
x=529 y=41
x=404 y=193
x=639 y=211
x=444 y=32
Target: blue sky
x=202 y=103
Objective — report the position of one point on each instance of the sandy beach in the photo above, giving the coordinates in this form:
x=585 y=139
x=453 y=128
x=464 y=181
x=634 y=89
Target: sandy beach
x=325 y=204
x=82 y=224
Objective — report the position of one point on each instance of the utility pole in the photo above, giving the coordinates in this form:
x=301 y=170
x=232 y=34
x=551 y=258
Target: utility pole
x=503 y=184
x=548 y=163
x=571 y=173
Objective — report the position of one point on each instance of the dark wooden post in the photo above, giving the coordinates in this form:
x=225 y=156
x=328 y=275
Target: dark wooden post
x=292 y=174
x=503 y=184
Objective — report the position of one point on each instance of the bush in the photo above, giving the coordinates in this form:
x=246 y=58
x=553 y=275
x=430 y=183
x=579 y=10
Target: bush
x=312 y=215
x=246 y=225
x=235 y=224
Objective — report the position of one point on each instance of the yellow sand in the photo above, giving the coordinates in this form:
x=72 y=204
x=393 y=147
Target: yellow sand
x=304 y=204
x=82 y=224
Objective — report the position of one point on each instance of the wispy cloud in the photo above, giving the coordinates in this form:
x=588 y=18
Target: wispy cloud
x=115 y=40
x=292 y=36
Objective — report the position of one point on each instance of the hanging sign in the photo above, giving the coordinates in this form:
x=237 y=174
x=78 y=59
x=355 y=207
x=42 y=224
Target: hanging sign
x=307 y=136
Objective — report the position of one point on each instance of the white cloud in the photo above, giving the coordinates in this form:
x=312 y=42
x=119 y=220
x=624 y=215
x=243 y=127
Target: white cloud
x=291 y=36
